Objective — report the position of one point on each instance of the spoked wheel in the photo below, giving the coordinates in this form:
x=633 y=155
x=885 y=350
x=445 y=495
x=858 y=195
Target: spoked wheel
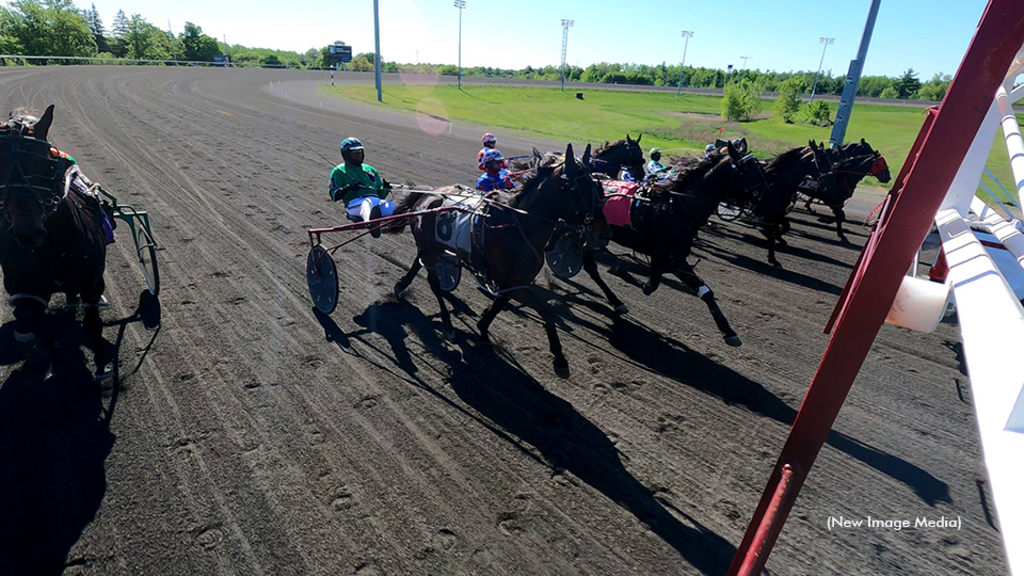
x=147 y=258
x=322 y=276
x=729 y=210
x=449 y=272
x=565 y=258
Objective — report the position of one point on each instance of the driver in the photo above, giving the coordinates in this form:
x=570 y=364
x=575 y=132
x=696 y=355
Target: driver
x=655 y=166
x=495 y=176
x=359 y=186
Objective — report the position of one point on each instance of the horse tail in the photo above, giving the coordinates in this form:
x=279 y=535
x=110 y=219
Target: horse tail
x=406 y=206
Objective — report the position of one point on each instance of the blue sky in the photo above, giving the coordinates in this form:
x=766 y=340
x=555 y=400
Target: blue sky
x=929 y=36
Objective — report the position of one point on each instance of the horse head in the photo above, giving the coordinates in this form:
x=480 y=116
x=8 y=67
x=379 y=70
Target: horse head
x=31 y=177
x=581 y=207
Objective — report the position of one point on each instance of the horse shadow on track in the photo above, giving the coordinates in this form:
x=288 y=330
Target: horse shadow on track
x=54 y=439
x=637 y=343
x=505 y=399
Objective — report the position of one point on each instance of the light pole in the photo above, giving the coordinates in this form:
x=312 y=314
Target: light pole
x=745 y=58
x=566 y=24
x=825 y=42
x=376 y=51
x=461 y=5
x=686 y=34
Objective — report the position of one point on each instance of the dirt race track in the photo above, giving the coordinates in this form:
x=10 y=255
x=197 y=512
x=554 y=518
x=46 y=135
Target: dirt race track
x=250 y=437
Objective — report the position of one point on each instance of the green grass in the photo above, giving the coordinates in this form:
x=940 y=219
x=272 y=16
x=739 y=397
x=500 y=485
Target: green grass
x=678 y=126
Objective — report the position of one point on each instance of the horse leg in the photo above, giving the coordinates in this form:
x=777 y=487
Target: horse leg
x=654 y=280
x=94 y=328
x=446 y=320
x=774 y=234
x=590 y=265
x=690 y=278
x=485 y=321
x=547 y=313
x=840 y=217
x=409 y=277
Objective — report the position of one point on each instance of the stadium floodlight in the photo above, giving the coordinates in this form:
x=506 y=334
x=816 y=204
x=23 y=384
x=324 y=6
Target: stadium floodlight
x=566 y=24
x=825 y=42
x=461 y=5
x=686 y=34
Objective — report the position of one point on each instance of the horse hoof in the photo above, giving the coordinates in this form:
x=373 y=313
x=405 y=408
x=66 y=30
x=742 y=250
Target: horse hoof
x=25 y=337
x=622 y=309
x=777 y=266
x=648 y=289
x=397 y=291
x=562 y=368
x=733 y=341
x=103 y=377
x=449 y=335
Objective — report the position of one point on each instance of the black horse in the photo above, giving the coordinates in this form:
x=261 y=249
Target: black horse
x=665 y=223
x=847 y=166
x=51 y=238
x=513 y=236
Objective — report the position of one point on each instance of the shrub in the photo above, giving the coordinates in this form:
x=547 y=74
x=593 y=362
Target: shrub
x=818 y=113
x=742 y=100
x=788 y=103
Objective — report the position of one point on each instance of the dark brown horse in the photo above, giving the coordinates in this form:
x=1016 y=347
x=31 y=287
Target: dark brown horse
x=665 y=223
x=51 y=239
x=514 y=235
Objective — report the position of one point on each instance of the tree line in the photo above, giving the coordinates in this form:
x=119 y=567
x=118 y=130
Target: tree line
x=59 y=28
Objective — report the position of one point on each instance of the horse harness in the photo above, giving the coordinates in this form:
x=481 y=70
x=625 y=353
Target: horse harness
x=48 y=189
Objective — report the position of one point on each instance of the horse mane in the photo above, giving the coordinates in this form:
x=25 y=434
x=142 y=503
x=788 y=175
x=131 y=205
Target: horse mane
x=533 y=182
x=608 y=146
x=687 y=173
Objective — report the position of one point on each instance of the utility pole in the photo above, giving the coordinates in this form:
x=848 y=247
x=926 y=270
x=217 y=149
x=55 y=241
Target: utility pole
x=745 y=58
x=853 y=80
x=824 y=41
x=376 y=54
x=566 y=24
x=686 y=34
x=461 y=5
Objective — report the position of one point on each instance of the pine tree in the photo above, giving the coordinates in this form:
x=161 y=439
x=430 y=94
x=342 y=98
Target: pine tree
x=120 y=25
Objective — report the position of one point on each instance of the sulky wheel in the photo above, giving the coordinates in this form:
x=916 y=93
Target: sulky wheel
x=322 y=275
x=147 y=258
x=729 y=210
x=565 y=258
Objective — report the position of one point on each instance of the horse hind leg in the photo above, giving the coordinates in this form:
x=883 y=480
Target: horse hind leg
x=446 y=320
x=690 y=278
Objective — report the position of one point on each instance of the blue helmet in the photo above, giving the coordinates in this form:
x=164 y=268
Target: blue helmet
x=351 y=144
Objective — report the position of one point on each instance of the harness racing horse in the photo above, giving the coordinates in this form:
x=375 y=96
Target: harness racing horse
x=513 y=235
x=51 y=239
x=850 y=164
x=666 y=222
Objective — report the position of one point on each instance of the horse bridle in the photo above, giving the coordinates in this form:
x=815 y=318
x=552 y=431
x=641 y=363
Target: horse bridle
x=52 y=190
x=584 y=217
x=630 y=149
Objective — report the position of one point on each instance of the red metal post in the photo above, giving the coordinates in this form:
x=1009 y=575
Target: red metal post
x=997 y=40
